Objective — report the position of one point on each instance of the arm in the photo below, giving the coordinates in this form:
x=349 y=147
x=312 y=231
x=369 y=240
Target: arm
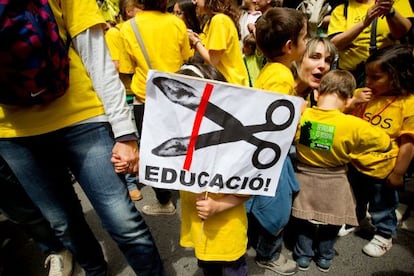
x=398 y=24
x=207 y=206
x=405 y=155
x=362 y=96
x=209 y=56
x=92 y=48
x=342 y=40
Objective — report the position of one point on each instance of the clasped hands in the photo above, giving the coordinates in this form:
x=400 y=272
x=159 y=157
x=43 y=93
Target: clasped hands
x=125 y=157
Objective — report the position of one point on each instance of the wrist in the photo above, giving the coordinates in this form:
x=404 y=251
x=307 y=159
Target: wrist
x=194 y=45
x=390 y=14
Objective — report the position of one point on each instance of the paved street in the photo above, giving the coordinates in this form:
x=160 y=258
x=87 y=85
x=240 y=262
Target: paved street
x=23 y=257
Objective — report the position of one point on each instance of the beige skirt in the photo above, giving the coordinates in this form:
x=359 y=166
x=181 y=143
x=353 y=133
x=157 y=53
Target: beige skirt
x=325 y=196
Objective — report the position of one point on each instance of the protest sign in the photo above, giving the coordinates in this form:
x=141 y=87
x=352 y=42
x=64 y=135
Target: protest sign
x=206 y=136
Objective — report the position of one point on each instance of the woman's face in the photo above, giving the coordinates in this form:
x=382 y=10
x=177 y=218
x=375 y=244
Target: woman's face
x=177 y=11
x=378 y=80
x=314 y=65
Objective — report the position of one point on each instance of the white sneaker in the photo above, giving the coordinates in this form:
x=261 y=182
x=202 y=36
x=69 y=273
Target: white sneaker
x=60 y=263
x=378 y=246
x=159 y=209
x=345 y=231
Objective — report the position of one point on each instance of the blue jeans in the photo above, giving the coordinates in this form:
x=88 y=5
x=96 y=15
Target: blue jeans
x=40 y=163
x=17 y=207
x=315 y=240
x=382 y=201
x=268 y=246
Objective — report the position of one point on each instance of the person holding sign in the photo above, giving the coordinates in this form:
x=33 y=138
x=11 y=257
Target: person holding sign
x=215 y=225
x=281 y=35
x=325 y=142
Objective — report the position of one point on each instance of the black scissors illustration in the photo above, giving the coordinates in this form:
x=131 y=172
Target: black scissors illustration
x=233 y=130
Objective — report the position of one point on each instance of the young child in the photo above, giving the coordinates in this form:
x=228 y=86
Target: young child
x=375 y=177
x=281 y=36
x=253 y=60
x=325 y=142
x=215 y=225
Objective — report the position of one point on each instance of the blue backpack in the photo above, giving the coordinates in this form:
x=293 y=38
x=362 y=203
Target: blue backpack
x=34 y=62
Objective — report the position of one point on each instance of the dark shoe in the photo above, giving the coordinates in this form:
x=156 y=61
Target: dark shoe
x=323 y=264
x=303 y=263
x=282 y=265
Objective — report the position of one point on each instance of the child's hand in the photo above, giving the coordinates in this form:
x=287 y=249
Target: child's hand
x=206 y=207
x=395 y=180
x=363 y=95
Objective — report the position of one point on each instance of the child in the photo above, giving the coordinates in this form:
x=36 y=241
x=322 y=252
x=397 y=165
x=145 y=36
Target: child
x=281 y=36
x=325 y=142
x=215 y=225
x=375 y=177
x=253 y=60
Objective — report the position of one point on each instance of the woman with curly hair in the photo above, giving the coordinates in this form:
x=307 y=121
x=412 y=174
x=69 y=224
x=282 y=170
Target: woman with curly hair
x=218 y=43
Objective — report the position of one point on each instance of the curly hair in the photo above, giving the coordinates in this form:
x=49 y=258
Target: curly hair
x=226 y=7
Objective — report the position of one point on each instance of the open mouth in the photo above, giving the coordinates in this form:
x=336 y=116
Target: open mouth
x=317 y=76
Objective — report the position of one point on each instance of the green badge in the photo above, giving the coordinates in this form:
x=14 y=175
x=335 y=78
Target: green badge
x=317 y=135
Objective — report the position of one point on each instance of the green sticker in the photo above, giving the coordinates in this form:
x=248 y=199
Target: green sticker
x=317 y=135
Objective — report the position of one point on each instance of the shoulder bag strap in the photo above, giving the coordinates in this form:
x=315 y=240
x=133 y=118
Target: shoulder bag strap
x=373 y=39
x=140 y=42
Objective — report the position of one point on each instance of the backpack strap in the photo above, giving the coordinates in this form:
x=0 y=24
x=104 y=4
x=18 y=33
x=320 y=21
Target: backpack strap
x=373 y=38
x=140 y=42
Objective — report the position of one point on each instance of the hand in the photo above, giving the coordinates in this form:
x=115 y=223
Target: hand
x=395 y=180
x=385 y=6
x=372 y=13
x=125 y=157
x=206 y=207
x=364 y=95
x=194 y=37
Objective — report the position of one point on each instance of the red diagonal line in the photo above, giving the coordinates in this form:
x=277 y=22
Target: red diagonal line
x=196 y=126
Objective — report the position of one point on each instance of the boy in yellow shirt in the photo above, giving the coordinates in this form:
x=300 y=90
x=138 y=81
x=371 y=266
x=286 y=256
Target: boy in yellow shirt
x=325 y=143
x=281 y=35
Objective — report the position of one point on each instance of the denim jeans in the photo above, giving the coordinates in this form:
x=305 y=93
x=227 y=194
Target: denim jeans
x=382 y=201
x=40 y=163
x=315 y=240
x=17 y=207
x=268 y=246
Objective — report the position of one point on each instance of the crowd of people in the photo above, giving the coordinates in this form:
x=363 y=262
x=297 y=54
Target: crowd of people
x=356 y=80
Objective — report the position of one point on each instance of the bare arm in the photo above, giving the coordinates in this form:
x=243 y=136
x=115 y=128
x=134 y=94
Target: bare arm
x=210 y=56
x=405 y=155
x=342 y=40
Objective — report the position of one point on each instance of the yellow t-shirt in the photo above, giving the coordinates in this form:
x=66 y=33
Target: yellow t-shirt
x=114 y=42
x=328 y=138
x=80 y=102
x=221 y=237
x=394 y=115
x=221 y=34
x=166 y=42
x=358 y=49
x=276 y=77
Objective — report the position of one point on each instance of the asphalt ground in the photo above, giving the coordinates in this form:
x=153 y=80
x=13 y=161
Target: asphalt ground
x=20 y=255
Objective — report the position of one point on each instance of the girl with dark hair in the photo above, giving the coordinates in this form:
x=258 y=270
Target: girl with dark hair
x=186 y=10
x=375 y=177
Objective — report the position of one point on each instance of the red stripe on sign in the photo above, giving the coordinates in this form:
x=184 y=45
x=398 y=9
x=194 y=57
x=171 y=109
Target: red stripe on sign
x=196 y=126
